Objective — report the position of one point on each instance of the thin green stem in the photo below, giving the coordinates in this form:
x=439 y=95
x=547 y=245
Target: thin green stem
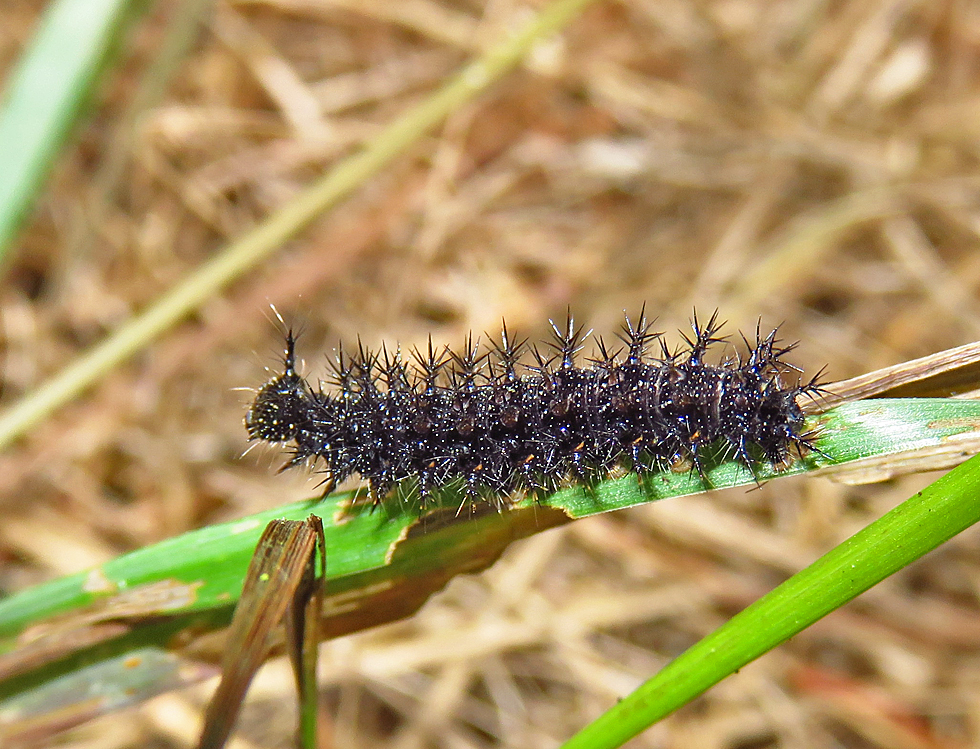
x=912 y=529
x=308 y=701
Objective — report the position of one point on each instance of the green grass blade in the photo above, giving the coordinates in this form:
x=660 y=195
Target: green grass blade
x=385 y=564
x=912 y=529
x=213 y=560
x=46 y=94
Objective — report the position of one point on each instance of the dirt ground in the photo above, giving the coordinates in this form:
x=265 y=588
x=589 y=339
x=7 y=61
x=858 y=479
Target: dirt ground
x=810 y=163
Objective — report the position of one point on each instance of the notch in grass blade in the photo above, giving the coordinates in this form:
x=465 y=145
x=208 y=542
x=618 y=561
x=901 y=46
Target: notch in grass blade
x=282 y=584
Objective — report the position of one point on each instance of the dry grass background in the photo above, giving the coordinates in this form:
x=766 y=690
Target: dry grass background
x=810 y=162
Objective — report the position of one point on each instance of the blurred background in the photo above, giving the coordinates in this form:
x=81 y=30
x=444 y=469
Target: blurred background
x=812 y=163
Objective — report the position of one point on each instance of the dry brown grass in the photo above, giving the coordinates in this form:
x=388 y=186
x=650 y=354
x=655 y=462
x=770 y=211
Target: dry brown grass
x=810 y=163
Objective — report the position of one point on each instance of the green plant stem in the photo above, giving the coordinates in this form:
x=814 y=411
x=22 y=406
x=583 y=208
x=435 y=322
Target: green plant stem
x=912 y=529
x=271 y=234
x=45 y=95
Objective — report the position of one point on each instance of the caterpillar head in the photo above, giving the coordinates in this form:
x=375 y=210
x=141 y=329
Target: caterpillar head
x=281 y=408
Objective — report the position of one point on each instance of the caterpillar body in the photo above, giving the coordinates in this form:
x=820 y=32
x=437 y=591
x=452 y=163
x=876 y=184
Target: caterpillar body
x=512 y=418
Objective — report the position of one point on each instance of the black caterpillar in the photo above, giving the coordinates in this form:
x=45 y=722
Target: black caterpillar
x=497 y=424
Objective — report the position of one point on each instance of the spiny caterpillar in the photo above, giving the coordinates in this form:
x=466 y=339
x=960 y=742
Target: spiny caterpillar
x=522 y=418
